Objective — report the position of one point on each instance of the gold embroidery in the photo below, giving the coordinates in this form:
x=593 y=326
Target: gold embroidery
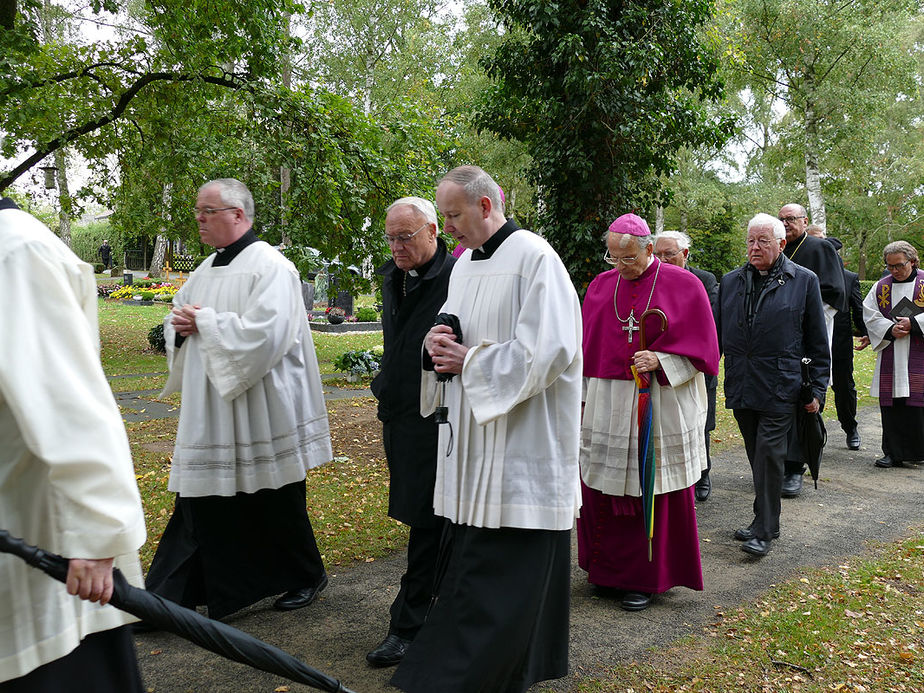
x=885 y=300
x=919 y=299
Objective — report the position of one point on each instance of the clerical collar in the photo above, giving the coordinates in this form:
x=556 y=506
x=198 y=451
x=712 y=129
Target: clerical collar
x=413 y=277
x=493 y=243
x=228 y=253
x=7 y=203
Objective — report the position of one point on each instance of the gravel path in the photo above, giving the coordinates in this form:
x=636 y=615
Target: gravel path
x=856 y=503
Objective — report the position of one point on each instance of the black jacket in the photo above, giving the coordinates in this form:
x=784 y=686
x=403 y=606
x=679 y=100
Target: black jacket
x=410 y=441
x=763 y=360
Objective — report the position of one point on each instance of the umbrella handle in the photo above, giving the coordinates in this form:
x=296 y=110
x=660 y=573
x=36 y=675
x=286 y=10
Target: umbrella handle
x=641 y=323
x=50 y=563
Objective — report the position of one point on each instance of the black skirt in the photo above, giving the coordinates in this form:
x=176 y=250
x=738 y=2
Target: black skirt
x=903 y=431
x=229 y=552
x=103 y=662
x=500 y=623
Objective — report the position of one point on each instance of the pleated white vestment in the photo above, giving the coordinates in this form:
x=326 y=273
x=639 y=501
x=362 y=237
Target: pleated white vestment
x=67 y=483
x=515 y=415
x=253 y=414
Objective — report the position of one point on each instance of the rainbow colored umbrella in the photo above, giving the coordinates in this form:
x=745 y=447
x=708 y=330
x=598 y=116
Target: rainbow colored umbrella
x=646 y=448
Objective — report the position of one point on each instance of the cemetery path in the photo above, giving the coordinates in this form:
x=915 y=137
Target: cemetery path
x=855 y=506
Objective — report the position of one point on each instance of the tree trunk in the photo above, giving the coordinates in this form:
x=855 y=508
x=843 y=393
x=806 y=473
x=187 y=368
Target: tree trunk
x=683 y=221
x=659 y=219
x=157 y=260
x=285 y=172
x=816 y=199
x=65 y=205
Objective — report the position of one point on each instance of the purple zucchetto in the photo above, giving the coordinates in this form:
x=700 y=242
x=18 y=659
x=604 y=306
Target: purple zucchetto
x=631 y=224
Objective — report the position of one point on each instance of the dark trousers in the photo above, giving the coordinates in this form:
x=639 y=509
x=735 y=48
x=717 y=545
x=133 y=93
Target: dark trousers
x=845 y=389
x=712 y=382
x=766 y=439
x=103 y=662
x=409 y=609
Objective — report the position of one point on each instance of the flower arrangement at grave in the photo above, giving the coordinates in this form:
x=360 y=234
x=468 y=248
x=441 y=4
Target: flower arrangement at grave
x=360 y=363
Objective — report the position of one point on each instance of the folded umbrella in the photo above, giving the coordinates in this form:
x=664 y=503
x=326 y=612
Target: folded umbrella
x=810 y=427
x=212 y=635
x=646 y=452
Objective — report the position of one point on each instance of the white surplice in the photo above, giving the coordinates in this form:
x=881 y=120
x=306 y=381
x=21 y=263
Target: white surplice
x=609 y=431
x=253 y=414
x=67 y=483
x=878 y=326
x=514 y=412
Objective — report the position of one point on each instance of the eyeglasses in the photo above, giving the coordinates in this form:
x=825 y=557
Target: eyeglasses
x=762 y=242
x=668 y=254
x=391 y=240
x=897 y=266
x=789 y=220
x=210 y=211
x=610 y=260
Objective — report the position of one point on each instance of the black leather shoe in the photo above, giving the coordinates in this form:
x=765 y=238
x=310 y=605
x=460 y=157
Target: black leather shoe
x=636 y=601
x=885 y=462
x=853 y=439
x=296 y=599
x=703 y=487
x=389 y=652
x=746 y=534
x=792 y=485
x=756 y=547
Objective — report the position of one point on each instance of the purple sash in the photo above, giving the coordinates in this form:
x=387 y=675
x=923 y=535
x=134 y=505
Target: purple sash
x=916 y=351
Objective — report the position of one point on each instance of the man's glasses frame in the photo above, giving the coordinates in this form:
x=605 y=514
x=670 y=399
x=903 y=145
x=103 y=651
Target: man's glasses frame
x=391 y=240
x=789 y=220
x=610 y=260
x=210 y=211
x=897 y=266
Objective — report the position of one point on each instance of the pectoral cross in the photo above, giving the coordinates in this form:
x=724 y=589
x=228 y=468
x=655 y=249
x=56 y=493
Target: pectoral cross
x=632 y=326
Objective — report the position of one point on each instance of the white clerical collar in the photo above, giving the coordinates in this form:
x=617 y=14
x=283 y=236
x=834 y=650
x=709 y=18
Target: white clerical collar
x=412 y=272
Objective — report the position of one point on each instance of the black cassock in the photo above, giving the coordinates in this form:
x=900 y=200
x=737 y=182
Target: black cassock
x=820 y=256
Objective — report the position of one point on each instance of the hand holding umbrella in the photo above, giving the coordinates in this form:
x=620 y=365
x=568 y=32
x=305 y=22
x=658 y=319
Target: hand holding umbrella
x=212 y=635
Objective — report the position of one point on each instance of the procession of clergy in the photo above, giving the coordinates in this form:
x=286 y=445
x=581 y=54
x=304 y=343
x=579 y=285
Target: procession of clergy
x=509 y=411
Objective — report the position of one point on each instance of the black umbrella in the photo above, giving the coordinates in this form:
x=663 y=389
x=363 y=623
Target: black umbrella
x=810 y=426
x=166 y=615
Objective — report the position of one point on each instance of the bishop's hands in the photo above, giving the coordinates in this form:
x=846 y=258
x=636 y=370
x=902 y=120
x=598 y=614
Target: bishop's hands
x=90 y=579
x=645 y=361
x=445 y=352
x=184 y=320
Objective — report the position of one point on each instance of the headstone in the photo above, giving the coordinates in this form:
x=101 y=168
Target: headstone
x=345 y=300
x=127 y=278
x=308 y=295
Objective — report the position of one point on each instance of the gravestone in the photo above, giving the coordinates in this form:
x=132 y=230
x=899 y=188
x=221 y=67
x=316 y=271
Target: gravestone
x=345 y=300
x=308 y=295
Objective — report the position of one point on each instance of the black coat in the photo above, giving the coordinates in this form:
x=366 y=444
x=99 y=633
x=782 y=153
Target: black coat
x=712 y=381
x=410 y=440
x=763 y=360
x=820 y=256
x=843 y=333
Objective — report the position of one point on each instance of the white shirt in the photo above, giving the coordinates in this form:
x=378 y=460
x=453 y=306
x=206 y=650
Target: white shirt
x=67 y=483
x=515 y=410
x=253 y=413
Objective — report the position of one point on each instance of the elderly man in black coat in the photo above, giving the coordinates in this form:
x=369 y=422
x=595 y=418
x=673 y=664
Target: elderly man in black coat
x=414 y=285
x=674 y=247
x=770 y=317
x=819 y=256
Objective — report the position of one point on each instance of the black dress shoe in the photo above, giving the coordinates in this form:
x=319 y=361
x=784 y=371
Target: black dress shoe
x=747 y=533
x=853 y=439
x=756 y=547
x=885 y=462
x=389 y=652
x=792 y=485
x=296 y=599
x=636 y=601
x=703 y=487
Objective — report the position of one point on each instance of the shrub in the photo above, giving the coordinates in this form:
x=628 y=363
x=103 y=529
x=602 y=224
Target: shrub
x=98 y=268
x=367 y=315
x=357 y=362
x=156 y=338
x=147 y=295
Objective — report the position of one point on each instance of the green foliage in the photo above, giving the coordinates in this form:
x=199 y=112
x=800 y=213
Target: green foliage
x=156 y=338
x=366 y=314
x=603 y=94
x=86 y=240
x=358 y=362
